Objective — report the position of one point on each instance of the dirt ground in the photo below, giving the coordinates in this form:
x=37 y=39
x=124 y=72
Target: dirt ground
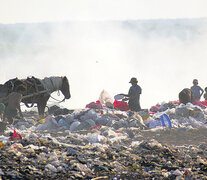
x=177 y=137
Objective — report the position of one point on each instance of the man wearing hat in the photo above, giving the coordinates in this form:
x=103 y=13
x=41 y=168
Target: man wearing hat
x=133 y=95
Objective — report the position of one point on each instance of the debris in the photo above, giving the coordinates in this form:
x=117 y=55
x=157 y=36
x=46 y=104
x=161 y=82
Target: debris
x=169 y=143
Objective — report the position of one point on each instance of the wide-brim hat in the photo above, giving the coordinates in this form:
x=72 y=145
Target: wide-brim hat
x=133 y=80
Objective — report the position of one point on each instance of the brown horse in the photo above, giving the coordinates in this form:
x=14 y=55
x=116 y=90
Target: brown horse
x=38 y=90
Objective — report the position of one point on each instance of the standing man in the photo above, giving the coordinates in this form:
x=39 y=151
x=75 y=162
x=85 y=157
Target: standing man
x=13 y=104
x=133 y=95
x=197 y=90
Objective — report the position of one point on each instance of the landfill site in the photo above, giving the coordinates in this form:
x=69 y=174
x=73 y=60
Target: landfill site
x=167 y=141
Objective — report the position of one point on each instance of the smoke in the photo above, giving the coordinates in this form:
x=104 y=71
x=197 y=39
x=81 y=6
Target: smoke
x=164 y=55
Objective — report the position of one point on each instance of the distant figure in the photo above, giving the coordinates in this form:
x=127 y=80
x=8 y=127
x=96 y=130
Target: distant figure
x=2 y=108
x=133 y=95
x=205 y=94
x=2 y=124
x=197 y=90
x=186 y=96
x=13 y=104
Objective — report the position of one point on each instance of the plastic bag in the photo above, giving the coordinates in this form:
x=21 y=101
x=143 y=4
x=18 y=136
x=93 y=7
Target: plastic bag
x=74 y=125
x=15 y=136
x=105 y=97
x=96 y=138
x=154 y=108
x=163 y=121
x=49 y=124
x=95 y=127
x=196 y=124
x=62 y=122
x=94 y=105
x=121 y=105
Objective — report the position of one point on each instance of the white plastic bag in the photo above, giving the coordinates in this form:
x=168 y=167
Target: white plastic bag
x=96 y=138
x=105 y=98
x=74 y=125
x=49 y=124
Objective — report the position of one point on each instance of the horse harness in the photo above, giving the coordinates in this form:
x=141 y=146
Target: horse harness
x=33 y=82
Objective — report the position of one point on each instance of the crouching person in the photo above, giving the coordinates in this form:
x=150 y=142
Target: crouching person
x=13 y=105
x=185 y=96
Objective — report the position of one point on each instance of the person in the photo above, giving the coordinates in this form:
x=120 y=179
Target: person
x=2 y=124
x=2 y=108
x=205 y=95
x=13 y=105
x=196 y=90
x=133 y=95
x=186 y=96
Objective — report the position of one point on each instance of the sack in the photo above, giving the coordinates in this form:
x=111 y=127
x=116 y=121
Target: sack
x=105 y=97
x=121 y=105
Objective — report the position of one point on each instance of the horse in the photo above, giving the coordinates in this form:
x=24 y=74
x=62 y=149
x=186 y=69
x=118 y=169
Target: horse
x=186 y=96
x=38 y=91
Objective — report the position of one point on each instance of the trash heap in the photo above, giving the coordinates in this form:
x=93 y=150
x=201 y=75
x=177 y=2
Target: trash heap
x=180 y=115
x=100 y=142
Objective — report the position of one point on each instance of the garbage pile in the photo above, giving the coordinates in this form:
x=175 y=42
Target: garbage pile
x=101 y=142
x=180 y=115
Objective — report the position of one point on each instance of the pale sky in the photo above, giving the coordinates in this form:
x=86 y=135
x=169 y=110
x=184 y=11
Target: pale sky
x=17 y=11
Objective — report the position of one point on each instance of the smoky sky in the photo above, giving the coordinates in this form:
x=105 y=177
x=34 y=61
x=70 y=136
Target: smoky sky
x=164 y=55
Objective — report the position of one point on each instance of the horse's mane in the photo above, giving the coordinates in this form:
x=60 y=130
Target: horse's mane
x=52 y=84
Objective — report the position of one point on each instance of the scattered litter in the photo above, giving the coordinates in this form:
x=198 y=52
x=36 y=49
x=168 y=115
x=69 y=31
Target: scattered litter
x=103 y=142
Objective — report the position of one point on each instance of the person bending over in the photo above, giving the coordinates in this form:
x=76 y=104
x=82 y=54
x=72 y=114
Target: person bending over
x=13 y=104
x=133 y=95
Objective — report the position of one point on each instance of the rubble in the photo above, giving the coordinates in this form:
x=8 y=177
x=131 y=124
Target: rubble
x=107 y=143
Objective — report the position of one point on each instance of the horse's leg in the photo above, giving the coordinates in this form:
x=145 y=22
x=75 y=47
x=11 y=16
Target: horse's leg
x=41 y=106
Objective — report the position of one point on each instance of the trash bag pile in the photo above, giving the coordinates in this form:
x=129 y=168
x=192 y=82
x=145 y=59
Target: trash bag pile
x=104 y=142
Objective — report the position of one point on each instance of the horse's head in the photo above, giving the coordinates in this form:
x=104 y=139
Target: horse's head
x=65 y=87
